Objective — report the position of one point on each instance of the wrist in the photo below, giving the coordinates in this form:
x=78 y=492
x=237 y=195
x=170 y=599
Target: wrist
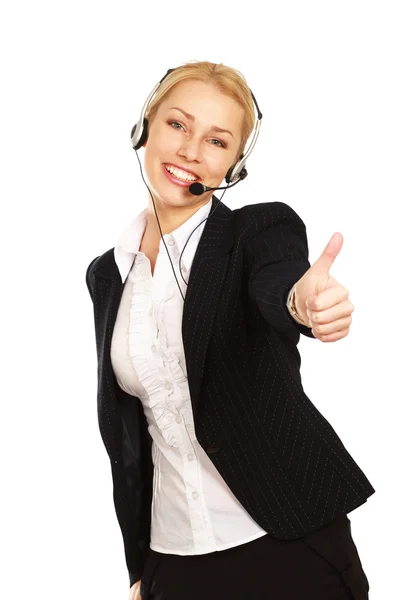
x=297 y=309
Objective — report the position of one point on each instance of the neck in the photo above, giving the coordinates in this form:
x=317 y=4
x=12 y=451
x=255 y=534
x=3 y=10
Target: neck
x=170 y=217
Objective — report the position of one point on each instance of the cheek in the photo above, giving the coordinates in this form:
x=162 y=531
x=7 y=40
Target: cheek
x=218 y=160
x=160 y=149
x=153 y=153
x=147 y=159
x=218 y=167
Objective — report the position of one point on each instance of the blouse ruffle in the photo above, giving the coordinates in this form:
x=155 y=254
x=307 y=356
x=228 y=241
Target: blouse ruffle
x=145 y=362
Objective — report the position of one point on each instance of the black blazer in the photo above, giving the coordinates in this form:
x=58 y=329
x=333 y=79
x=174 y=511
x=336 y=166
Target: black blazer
x=280 y=457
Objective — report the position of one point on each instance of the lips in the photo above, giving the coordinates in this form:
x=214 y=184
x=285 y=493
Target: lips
x=173 y=179
x=181 y=168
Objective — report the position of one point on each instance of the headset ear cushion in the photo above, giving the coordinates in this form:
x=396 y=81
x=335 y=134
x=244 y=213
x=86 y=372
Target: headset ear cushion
x=230 y=171
x=143 y=137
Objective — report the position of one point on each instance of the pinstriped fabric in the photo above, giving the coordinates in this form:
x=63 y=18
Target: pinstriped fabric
x=123 y=429
x=275 y=450
x=276 y=256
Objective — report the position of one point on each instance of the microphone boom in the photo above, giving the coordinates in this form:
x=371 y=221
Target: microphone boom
x=197 y=188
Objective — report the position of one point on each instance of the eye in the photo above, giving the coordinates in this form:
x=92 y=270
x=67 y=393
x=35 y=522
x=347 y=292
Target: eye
x=174 y=123
x=221 y=144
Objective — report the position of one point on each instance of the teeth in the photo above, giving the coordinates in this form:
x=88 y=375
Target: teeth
x=179 y=174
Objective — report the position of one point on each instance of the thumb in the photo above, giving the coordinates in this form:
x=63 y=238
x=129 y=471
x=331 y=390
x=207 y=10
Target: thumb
x=331 y=250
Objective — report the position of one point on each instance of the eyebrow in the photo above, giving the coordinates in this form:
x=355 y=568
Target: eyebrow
x=191 y=118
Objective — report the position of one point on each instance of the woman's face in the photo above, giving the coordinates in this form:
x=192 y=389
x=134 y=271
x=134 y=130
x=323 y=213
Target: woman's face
x=185 y=143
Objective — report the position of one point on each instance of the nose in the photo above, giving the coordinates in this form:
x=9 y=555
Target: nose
x=190 y=150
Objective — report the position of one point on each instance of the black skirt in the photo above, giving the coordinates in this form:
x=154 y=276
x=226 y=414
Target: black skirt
x=324 y=565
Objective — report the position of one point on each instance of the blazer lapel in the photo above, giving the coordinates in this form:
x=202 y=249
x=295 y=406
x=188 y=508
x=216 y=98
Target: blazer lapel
x=205 y=284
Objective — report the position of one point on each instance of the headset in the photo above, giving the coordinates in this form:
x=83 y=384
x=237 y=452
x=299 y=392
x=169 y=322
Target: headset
x=236 y=173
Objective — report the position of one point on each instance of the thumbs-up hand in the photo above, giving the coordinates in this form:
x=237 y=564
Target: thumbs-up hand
x=321 y=301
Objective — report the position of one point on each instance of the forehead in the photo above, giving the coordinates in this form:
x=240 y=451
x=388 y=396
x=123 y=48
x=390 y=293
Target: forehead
x=206 y=103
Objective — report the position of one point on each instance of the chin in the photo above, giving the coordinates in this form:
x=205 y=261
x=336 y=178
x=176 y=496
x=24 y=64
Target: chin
x=172 y=197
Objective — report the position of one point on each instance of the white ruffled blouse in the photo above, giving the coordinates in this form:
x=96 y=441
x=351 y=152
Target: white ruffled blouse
x=193 y=510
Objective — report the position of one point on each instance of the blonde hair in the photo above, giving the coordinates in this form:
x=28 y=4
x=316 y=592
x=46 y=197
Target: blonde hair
x=227 y=80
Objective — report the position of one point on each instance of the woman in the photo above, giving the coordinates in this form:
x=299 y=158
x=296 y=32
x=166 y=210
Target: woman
x=228 y=482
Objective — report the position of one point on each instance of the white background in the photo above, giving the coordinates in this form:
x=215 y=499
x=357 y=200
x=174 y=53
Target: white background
x=74 y=77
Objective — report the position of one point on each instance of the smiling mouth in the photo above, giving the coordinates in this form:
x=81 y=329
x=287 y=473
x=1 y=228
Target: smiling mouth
x=180 y=174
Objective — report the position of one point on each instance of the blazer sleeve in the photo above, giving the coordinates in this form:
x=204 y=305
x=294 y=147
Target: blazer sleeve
x=277 y=257
x=133 y=488
x=89 y=279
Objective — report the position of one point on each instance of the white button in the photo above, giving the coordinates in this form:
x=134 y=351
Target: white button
x=190 y=456
x=153 y=348
x=171 y=242
x=178 y=419
x=195 y=495
x=167 y=385
x=210 y=539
